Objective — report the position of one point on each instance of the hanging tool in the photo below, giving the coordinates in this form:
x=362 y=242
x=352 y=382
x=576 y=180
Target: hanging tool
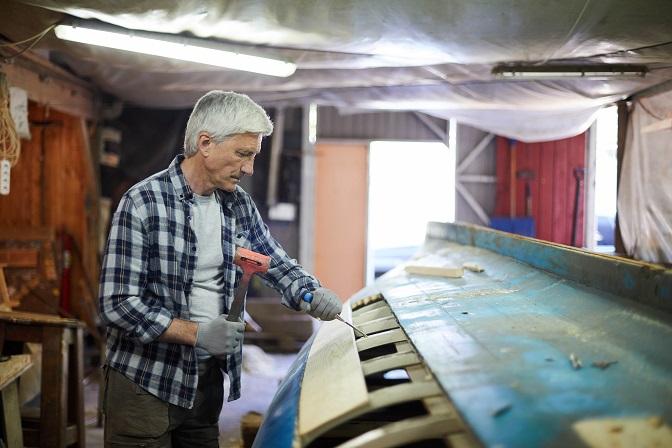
x=579 y=174
x=512 y=177
x=307 y=296
x=529 y=176
x=251 y=263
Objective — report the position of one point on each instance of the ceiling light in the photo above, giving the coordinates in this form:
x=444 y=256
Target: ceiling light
x=175 y=47
x=568 y=71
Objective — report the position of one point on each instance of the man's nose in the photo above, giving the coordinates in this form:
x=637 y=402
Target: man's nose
x=248 y=167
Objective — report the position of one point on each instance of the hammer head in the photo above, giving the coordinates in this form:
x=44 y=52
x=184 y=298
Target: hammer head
x=251 y=262
x=526 y=174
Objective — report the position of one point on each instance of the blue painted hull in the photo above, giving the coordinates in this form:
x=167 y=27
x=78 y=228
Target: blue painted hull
x=499 y=342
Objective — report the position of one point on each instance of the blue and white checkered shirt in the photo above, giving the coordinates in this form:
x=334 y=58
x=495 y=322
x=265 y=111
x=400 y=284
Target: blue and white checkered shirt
x=147 y=276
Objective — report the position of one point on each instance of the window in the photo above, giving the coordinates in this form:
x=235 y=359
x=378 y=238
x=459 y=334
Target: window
x=410 y=183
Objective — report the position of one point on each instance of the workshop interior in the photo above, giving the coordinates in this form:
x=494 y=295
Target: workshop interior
x=485 y=185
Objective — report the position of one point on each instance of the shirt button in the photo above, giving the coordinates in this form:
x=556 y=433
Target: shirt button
x=191 y=280
x=193 y=249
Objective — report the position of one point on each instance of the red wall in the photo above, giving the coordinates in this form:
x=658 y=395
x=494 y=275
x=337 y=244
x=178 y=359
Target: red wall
x=553 y=188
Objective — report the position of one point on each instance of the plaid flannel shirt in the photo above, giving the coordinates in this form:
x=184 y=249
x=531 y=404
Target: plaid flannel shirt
x=147 y=276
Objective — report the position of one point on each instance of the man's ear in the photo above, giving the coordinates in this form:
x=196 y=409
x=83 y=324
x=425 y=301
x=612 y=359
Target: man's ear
x=205 y=143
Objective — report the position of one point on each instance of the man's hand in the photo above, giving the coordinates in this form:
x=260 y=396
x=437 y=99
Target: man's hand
x=325 y=305
x=219 y=336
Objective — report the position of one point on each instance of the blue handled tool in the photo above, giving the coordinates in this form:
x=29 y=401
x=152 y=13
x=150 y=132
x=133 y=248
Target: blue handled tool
x=307 y=296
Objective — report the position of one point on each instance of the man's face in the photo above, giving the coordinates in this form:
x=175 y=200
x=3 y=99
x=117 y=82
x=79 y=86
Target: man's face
x=228 y=162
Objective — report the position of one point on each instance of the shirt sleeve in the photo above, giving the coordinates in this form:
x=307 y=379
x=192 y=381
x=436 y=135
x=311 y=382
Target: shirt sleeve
x=285 y=274
x=124 y=301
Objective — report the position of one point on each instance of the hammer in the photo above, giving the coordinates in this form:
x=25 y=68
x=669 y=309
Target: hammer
x=251 y=263
x=528 y=175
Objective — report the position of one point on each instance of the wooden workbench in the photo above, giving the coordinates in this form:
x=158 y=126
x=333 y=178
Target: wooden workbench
x=61 y=421
x=10 y=370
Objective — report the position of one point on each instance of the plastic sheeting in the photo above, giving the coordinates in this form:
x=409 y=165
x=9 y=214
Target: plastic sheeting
x=645 y=187
x=426 y=55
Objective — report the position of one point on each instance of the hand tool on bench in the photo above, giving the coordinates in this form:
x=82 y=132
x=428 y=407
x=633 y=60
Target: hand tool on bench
x=307 y=296
x=251 y=263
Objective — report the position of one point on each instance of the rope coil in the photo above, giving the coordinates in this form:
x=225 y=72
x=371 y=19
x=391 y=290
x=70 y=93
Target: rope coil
x=10 y=145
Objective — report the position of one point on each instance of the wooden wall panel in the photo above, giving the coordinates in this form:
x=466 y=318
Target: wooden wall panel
x=51 y=187
x=553 y=187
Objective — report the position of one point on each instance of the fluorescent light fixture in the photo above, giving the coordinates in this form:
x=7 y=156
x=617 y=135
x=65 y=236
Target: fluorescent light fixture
x=522 y=72
x=175 y=47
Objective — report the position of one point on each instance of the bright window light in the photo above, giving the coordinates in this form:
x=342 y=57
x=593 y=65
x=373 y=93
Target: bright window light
x=175 y=50
x=410 y=184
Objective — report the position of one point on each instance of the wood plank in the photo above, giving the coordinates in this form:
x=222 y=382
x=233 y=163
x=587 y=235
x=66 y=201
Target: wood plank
x=389 y=362
x=9 y=371
x=13 y=368
x=378 y=325
x=403 y=393
x=437 y=271
x=615 y=432
x=371 y=315
x=4 y=293
x=368 y=304
x=333 y=384
x=406 y=432
x=378 y=339
x=51 y=85
x=28 y=233
x=19 y=317
x=11 y=417
x=19 y=257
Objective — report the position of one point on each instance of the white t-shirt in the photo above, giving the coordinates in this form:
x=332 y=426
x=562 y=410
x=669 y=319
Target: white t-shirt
x=206 y=300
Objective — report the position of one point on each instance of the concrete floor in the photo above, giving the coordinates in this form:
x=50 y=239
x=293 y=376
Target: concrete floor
x=262 y=374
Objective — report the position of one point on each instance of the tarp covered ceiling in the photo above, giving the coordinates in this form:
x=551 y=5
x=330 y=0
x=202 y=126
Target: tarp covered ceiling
x=433 y=56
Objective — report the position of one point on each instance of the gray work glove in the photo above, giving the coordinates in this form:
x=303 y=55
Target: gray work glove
x=325 y=304
x=219 y=336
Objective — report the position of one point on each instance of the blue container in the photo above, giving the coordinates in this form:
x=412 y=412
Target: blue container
x=520 y=226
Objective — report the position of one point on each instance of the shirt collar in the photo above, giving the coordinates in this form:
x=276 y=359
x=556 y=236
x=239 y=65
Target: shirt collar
x=183 y=190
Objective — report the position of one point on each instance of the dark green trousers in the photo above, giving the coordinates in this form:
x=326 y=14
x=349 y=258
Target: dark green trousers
x=135 y=418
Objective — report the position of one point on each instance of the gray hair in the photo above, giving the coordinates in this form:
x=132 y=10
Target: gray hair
x=222 y=115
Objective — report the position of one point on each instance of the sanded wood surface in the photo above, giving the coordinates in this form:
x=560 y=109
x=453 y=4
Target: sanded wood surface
x=405 y=432
x=437 y=271
x=13 y=368
x=615 y=432
x=333 y=384
x=370 y=315
x=378 y=339
x=389 y=362
x=385 y=323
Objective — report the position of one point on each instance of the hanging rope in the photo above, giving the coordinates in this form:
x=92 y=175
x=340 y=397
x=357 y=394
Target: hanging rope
x=10 y=145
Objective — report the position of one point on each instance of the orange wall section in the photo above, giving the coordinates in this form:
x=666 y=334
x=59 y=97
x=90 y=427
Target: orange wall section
x=341 y=217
